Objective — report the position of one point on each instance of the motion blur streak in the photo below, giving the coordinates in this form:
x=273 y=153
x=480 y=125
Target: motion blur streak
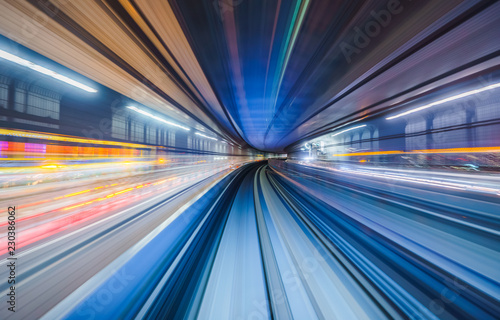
x=285 y=241
x=249 y=159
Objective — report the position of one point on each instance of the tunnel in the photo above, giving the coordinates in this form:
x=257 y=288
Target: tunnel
x=250 y=159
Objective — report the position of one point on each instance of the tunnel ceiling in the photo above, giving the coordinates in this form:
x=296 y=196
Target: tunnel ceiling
x=263 y=73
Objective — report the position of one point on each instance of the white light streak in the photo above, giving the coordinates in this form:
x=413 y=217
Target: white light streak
x=157 y=118
x=458 y=96
x=361 y=126
x=28 y=64
x=201 y=134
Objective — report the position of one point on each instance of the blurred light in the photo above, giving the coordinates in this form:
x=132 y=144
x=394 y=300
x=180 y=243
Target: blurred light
x=436 y=183
x=201 y=134
x=423 y=151
x=123 y=191
x=361 y=126
x=48 y=72
x=458 y=96
x=157 y=118
x=77 y=193
x=59 y=137
x=371 y=153
x=50 y=166
x=471 y=165
x=73 y=207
